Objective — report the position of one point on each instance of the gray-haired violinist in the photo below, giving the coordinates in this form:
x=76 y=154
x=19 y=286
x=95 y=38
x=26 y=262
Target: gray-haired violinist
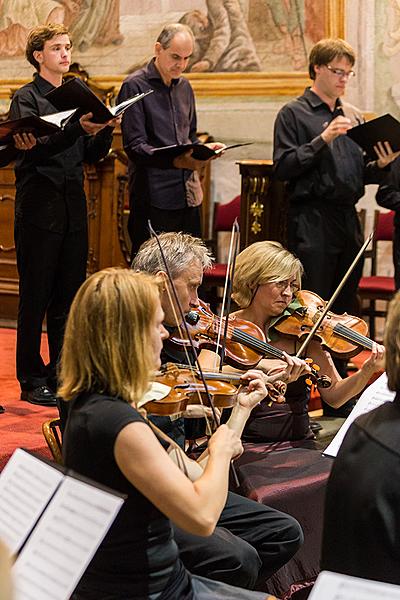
x=252 y=540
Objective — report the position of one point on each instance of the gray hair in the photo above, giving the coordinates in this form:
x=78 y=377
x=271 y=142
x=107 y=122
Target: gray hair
x=180 y=250
x=170 y=31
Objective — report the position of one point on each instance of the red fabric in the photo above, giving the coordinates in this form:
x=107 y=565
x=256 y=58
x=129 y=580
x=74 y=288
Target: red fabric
x=217 y=271
x=291 y=477
x=21 y=424
x=384 y=228
x=376 y=284
x=225 y=214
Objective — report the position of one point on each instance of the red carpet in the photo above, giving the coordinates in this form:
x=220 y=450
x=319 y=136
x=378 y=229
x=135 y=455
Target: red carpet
x=21 y=424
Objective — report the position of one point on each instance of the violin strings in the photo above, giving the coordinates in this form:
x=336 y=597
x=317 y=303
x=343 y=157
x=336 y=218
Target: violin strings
x=354 y=336
x=255 y=344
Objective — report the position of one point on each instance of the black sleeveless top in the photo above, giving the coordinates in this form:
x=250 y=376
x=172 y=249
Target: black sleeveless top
x=138 y=557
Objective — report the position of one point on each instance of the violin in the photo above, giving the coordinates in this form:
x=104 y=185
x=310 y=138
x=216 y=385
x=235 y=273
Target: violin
x=245 y=342
x=343 y=335
x=186 y=388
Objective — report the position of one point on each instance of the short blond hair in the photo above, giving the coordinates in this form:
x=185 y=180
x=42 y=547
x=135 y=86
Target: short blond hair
x=262 y=262
x=180 y=251
x=107 y=336
x=392 y=344
x=326 y=50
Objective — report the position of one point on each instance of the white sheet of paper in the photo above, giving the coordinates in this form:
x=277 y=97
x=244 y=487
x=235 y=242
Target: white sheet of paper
x=64 y=541
x=59 y=118
x=375 y=395
x=26 y=486
x=121 y=108
x=333 y=586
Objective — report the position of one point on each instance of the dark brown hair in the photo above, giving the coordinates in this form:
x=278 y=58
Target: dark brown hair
x=327 y=50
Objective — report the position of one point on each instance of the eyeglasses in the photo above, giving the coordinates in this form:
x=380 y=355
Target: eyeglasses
x=282 y=285
x=341 y=73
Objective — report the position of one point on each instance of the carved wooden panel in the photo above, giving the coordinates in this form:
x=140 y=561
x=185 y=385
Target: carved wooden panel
x=263 y=208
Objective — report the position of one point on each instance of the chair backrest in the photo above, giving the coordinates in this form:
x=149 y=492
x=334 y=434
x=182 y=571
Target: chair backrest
x=383 y=228
x=225 y=214
x=384 y=225
x=52 y=434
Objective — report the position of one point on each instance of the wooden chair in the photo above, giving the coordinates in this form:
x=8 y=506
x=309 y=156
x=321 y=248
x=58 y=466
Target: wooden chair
x=52 y=434
x=224 y=217
x=374 y=287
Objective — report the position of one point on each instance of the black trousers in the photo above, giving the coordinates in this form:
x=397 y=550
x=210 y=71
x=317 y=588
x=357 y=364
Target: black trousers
x=186 y=219
x=326 y=240
x=51 y=268
x=251 y=542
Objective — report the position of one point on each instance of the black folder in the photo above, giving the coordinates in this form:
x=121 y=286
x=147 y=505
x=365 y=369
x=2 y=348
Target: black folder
x=32 y=124
x=74 y=93
x=381 y=129
x=200 y=151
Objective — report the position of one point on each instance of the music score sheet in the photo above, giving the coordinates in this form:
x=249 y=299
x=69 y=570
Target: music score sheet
x=334 y=586
x=64 y=541
x=63 y=519
x=26 y=486
x=373 y=396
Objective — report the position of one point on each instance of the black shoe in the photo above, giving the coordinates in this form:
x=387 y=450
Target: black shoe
x=2 y=409
x=41 y=395
x=315 y=426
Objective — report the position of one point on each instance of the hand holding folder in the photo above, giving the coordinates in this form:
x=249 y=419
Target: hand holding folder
x=38 y=126
x=382 y=129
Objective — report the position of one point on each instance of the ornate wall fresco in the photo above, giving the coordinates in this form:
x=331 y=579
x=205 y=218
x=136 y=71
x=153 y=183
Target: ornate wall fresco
x=113 y=37
x=387 y=57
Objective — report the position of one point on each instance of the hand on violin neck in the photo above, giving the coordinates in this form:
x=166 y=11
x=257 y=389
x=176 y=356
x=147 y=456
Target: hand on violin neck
x=253 y=392
x=288 y=371
x=375 y=361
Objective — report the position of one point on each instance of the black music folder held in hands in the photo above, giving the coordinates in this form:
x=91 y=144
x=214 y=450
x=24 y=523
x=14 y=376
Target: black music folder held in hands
x=200 y=151
x=76 y=94
x=32 y=124
x=382 y=129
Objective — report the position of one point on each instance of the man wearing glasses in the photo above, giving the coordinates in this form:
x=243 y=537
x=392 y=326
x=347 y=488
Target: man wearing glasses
x=326 y=172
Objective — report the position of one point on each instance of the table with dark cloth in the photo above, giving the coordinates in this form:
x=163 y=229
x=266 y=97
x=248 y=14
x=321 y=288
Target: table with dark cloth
x=291 y=477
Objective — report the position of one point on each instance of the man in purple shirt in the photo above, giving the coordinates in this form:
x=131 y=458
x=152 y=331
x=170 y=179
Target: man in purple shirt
x=163 y=189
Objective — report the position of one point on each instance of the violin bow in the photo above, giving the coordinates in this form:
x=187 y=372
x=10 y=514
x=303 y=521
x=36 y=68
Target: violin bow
x=335 y=295
x=194 y=353
x=184 y=323
x=226 y=298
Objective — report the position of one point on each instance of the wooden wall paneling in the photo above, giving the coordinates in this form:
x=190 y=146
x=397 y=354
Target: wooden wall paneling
x=8 y=263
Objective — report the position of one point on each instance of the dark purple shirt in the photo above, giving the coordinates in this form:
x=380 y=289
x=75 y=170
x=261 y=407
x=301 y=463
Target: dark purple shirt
x=165 y=117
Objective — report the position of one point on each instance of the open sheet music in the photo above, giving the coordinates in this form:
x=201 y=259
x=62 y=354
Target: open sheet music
x=39 y=126
x=333 y=586
x=76 y=94
x=56 y=520
x=199 y=151
x=374 y=395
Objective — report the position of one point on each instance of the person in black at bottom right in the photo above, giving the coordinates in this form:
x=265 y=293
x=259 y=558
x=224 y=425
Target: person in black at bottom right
x=326 y=173
x=363 y=488
x=388 y=196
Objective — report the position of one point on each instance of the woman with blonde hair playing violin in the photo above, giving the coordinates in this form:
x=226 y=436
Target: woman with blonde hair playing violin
x=267 y=277
x=112 y=347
